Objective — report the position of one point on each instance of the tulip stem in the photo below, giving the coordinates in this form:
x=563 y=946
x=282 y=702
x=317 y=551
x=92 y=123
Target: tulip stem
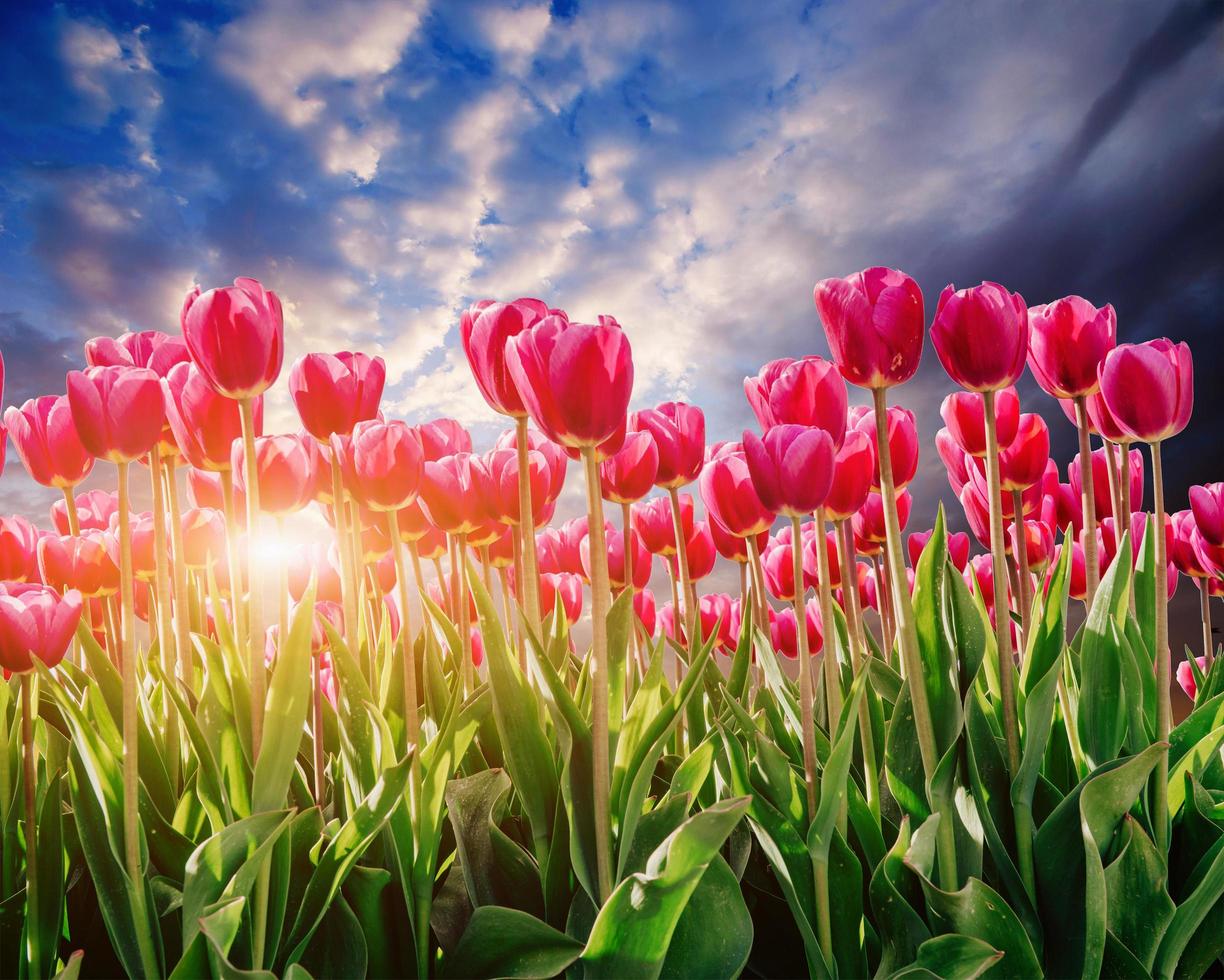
x=74 y=528
x=30 y=775
x=858 y=659
x=758 y=590
x=255 y=630
x=1024 y=595
x=924 y=727
x=412 y=718
x=888 y=620
x=348 y=584
x=131 y=743
x=529 y=581
x=182 y=612
x=516 y=548
x=807 y=697
x=1124 y=495
x=600 y=595
x=316 y=724
x=1087 y=500
x=162 y=571
x=1115 y=487
x=231 y=557
x=1164 y=707
x=635 y=648
x=503 y=579
x=832 y=641
x=459 y=583
x=282 y=592
x=1208 y=639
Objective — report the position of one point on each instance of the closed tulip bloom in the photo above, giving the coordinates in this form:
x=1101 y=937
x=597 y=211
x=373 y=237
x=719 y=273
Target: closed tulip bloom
x=700 y=551
x=954 y=459
x=386 y=464
x=981 y=336
x=204 y=490
x=501 y=550
x=1078 y=579
x=731 y=499
x=1068 y=339
x=205 y=424
x=558 y=366
x=629 y=475
x=1100 y=420
x=644 y=607
x=449 y=494
x=811 y=558
x=1185 y=676
x=678 y=430
x=118 y=411
x=778 y=565
x=497 y=475
x=785 y=637
x=1023 y=463
x=1038 y=544
x=485 y=328
x=791 y=468
x=854 y=468
x=46 y=439
x=1207 y=505
x=733 y=547
x=964 y=413
x=565 y=586
x=83 y=563
x=715 y=618
x=902 y=445
x=18 y=550
x=284 y=469
x=808 y=391
x=94 y=508
x=152 y=349
x=1149 y=388
x=874 y=324
x=1100 y=480
x=958 y=547
x=642 y=559
x=333 y=392
x=203 y=536
x=236 y=337
x=537 y=442
x=1184 y=553
x=652 y=519
x=977 y=512
x=36 y=623
x=443 y=437
x=868 y=523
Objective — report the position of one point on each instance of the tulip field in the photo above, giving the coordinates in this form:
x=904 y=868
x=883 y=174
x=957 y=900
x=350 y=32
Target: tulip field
x=443 y=734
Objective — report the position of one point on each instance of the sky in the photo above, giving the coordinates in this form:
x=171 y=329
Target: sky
x=691 y=168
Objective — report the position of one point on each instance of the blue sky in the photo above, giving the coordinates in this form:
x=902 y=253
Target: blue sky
x=692 y=168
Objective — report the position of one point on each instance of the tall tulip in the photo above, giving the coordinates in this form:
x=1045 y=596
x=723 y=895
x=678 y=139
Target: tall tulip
x=46 y=439
x=333 y=392
x=965 y=418
x=803 y=392
x=1185 y=550
x=1149 y=390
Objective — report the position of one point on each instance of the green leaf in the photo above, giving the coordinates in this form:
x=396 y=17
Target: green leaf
x=1189 y=915
x=502 y=942
x=833 y=779
x=633 y=930
x=1103 y=713
x=952 y=957
x=1138 y=905
x=895 y=899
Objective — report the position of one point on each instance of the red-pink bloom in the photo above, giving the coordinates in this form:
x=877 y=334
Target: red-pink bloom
x=1183 y=552
x=558 y=368
x=1207 y=504
x=730 y=497
x=981 y=336
x=715 y=618
x=443 y=437
x=151 y=349
x=700 y=551
x=629 y=475
x=652 y=519
x=485 y=327
x=785 y=637
x=642 y=559
x=732 y=546
x=497 y=481
x=83 y=563
x=1068 y=339
x=205 y=424
x=203 y=536
x=284 y=470
x=1100 y=480
x=564 y=586
x=811 y=557
x=874 y=324
x=964 y=413
x=46 y=439
x=333 y=392
x=18 y=549
x=449 y=493
x=854 y=469
x=954 y=459
x=36 y=622
x=868 y=523
x=958 y=547
x=558 y=461
x=1100 y=420
x=1185 y=676
x=644 y=606
x=236 y=336
x=1023 y=463
x=808 y=391
x=94 y=511
x=1149 y=388
x=118 y=411
x=384 y=464
x=778 y=565
x=902 y=444
x=1038 y=544
x=791 y=467
x=678 y=430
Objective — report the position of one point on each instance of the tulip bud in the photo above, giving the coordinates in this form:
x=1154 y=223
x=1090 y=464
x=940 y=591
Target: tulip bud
x=873 y=321
x=964 y=413
x=449 y=494
x=628 y=476
x=853 y=472
x=36 y=622
x=1207 y=505
x=333 y=392
x=791 y=468
x=1023 y=463
x=46 y=439
x=730 y=497
x=484 y=328
x=236 y=337
x=18 y=550
x=678 y=431
x=981 y=336
x=803 y=392
x=902 y=445
x=284 y=470
x=1149 y=388
x=118 y=411
x=1068 y=340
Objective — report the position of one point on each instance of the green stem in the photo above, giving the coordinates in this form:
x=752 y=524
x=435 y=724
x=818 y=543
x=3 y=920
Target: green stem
x=824 y=912
x=807 y=696
x=832 y=665
x=164 y=615
x=907 y=631
x=1024 y=595
x=348 y=582
x=1087 y=499
x=1205 y=609
x=691 y=634
x=412 y=718
x=858 y=657
x=182 y=603
x=600 y=596
x=237 y=605
x=529 y=581
x=459 y=585
x=30 y=770
x=1164 y=707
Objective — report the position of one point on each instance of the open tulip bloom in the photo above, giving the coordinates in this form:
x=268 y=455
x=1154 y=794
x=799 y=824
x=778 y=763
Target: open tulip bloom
x=382 y=698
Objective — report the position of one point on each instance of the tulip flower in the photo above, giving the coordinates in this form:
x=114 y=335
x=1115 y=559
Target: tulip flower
x=902 y=444
x=83 y=563
x=1023 y=463
x=622 y=561
x=118 y=411
x=1149 y=390
x=1207 y=505
x=981 y=336
x=678 y=431
x=731 y=499
x=715 y=615
x=791 y=468
x=957 y=543
x=1103 y=503
x=652 y=520
x=485 y=328
x=385 y=464
x=784 y=635
x=18 y=550
x=699 y=552
x=965 y=417
x=874 y=323
x=803 y=392
x=443 y=437
x=36 y=622
x=1068 y=339
x=236 y=337
x=45 y=436
x=628 y=476
x=333 y=392
x=152 y=349
x=284 y=470
x=854 y=470
x=203 y=537
x=1185 y=676
x=567 y=588
x=498 y=484
x=644 y=608
x=205 y=424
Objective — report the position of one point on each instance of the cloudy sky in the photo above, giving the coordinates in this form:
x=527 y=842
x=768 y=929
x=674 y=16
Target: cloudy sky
x=691 y=168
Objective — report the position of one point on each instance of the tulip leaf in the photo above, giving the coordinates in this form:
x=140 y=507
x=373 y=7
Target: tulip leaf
x=505 y=942
x=1139 y=907
x=951 y=957
x=896 y=896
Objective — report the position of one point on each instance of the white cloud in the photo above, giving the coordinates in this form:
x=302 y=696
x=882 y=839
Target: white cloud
x=516 y=33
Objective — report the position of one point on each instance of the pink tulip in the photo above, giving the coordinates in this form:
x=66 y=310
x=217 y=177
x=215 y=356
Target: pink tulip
x=678 y=430
x=444 y=437
x=333 y=392
x=1149 y=388
x=1100 y=480
x=205 y=424
x=1207 y=504
x=981 y=336
x=236 y=337
x=731 y=499
x=652 y=519
x=485 y=328
x=449 y=495
x=384 y=463
x=152 y=349
x=791 y=468
x=628 y=476
x=1023 y=463
x=83 y=563
x=1185 y=676
x=46 y=439
x=1068 y=340
x=558 y=461
x=902 y=444
x=285 y=471
x=36 y=622
x=873 y=321
x=853 y=472
x=18 y=550
x=808 y=391
x=118 y=411
x=964 y=414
